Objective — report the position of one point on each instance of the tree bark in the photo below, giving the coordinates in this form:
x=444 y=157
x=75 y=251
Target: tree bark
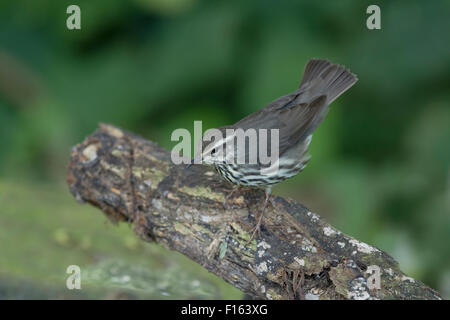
x=297 y=256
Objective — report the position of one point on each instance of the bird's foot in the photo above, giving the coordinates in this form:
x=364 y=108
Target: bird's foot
x=229 y=196
x=257 y=228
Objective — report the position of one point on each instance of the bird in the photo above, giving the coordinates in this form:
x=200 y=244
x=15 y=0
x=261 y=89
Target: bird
x=294 y=117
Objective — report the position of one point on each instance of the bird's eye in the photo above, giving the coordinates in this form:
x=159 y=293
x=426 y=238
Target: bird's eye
x=213 y=152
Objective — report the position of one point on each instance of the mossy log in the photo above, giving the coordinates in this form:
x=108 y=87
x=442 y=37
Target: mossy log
x=297 y=256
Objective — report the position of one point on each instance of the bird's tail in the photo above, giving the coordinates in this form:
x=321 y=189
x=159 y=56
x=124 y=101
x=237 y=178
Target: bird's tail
x=321 y=77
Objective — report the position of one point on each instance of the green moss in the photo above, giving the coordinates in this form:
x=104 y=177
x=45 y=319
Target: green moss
x=243 y=237
x=120 y=171
x=116 y=153
x=153 y=174
x=181 y=228
x=202 y=229
x=204 y=192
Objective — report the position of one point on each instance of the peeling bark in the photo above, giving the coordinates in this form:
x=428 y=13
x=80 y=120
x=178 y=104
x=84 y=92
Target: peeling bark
x=298 y=256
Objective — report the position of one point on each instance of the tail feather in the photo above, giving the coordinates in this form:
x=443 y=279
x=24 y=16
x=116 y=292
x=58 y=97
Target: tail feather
x=324 y=78
x=313 y=69
x=338 y=83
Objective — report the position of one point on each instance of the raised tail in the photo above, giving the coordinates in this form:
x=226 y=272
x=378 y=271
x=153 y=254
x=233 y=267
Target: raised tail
x=321 y=77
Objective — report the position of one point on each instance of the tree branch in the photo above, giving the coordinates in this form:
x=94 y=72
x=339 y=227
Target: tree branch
x=298 y=256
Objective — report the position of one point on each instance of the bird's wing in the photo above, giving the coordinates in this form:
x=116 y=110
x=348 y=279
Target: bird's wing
x=299 y=121
x=294 y=122
x=266 y=117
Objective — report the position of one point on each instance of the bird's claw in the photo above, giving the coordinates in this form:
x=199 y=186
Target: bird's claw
x=257 y=228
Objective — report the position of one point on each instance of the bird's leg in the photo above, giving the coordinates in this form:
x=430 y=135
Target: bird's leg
x=257 y=228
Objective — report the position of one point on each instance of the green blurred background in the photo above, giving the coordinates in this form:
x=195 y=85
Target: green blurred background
x=380 y=161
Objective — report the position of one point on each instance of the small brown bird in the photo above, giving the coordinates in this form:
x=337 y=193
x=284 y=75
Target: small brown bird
x=295 y=115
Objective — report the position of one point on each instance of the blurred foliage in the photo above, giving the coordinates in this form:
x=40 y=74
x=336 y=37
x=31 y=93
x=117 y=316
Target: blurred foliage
x=380 y=166
x=48 y=232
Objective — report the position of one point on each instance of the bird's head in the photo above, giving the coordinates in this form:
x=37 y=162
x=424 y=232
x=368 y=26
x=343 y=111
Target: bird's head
x=213 y=148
